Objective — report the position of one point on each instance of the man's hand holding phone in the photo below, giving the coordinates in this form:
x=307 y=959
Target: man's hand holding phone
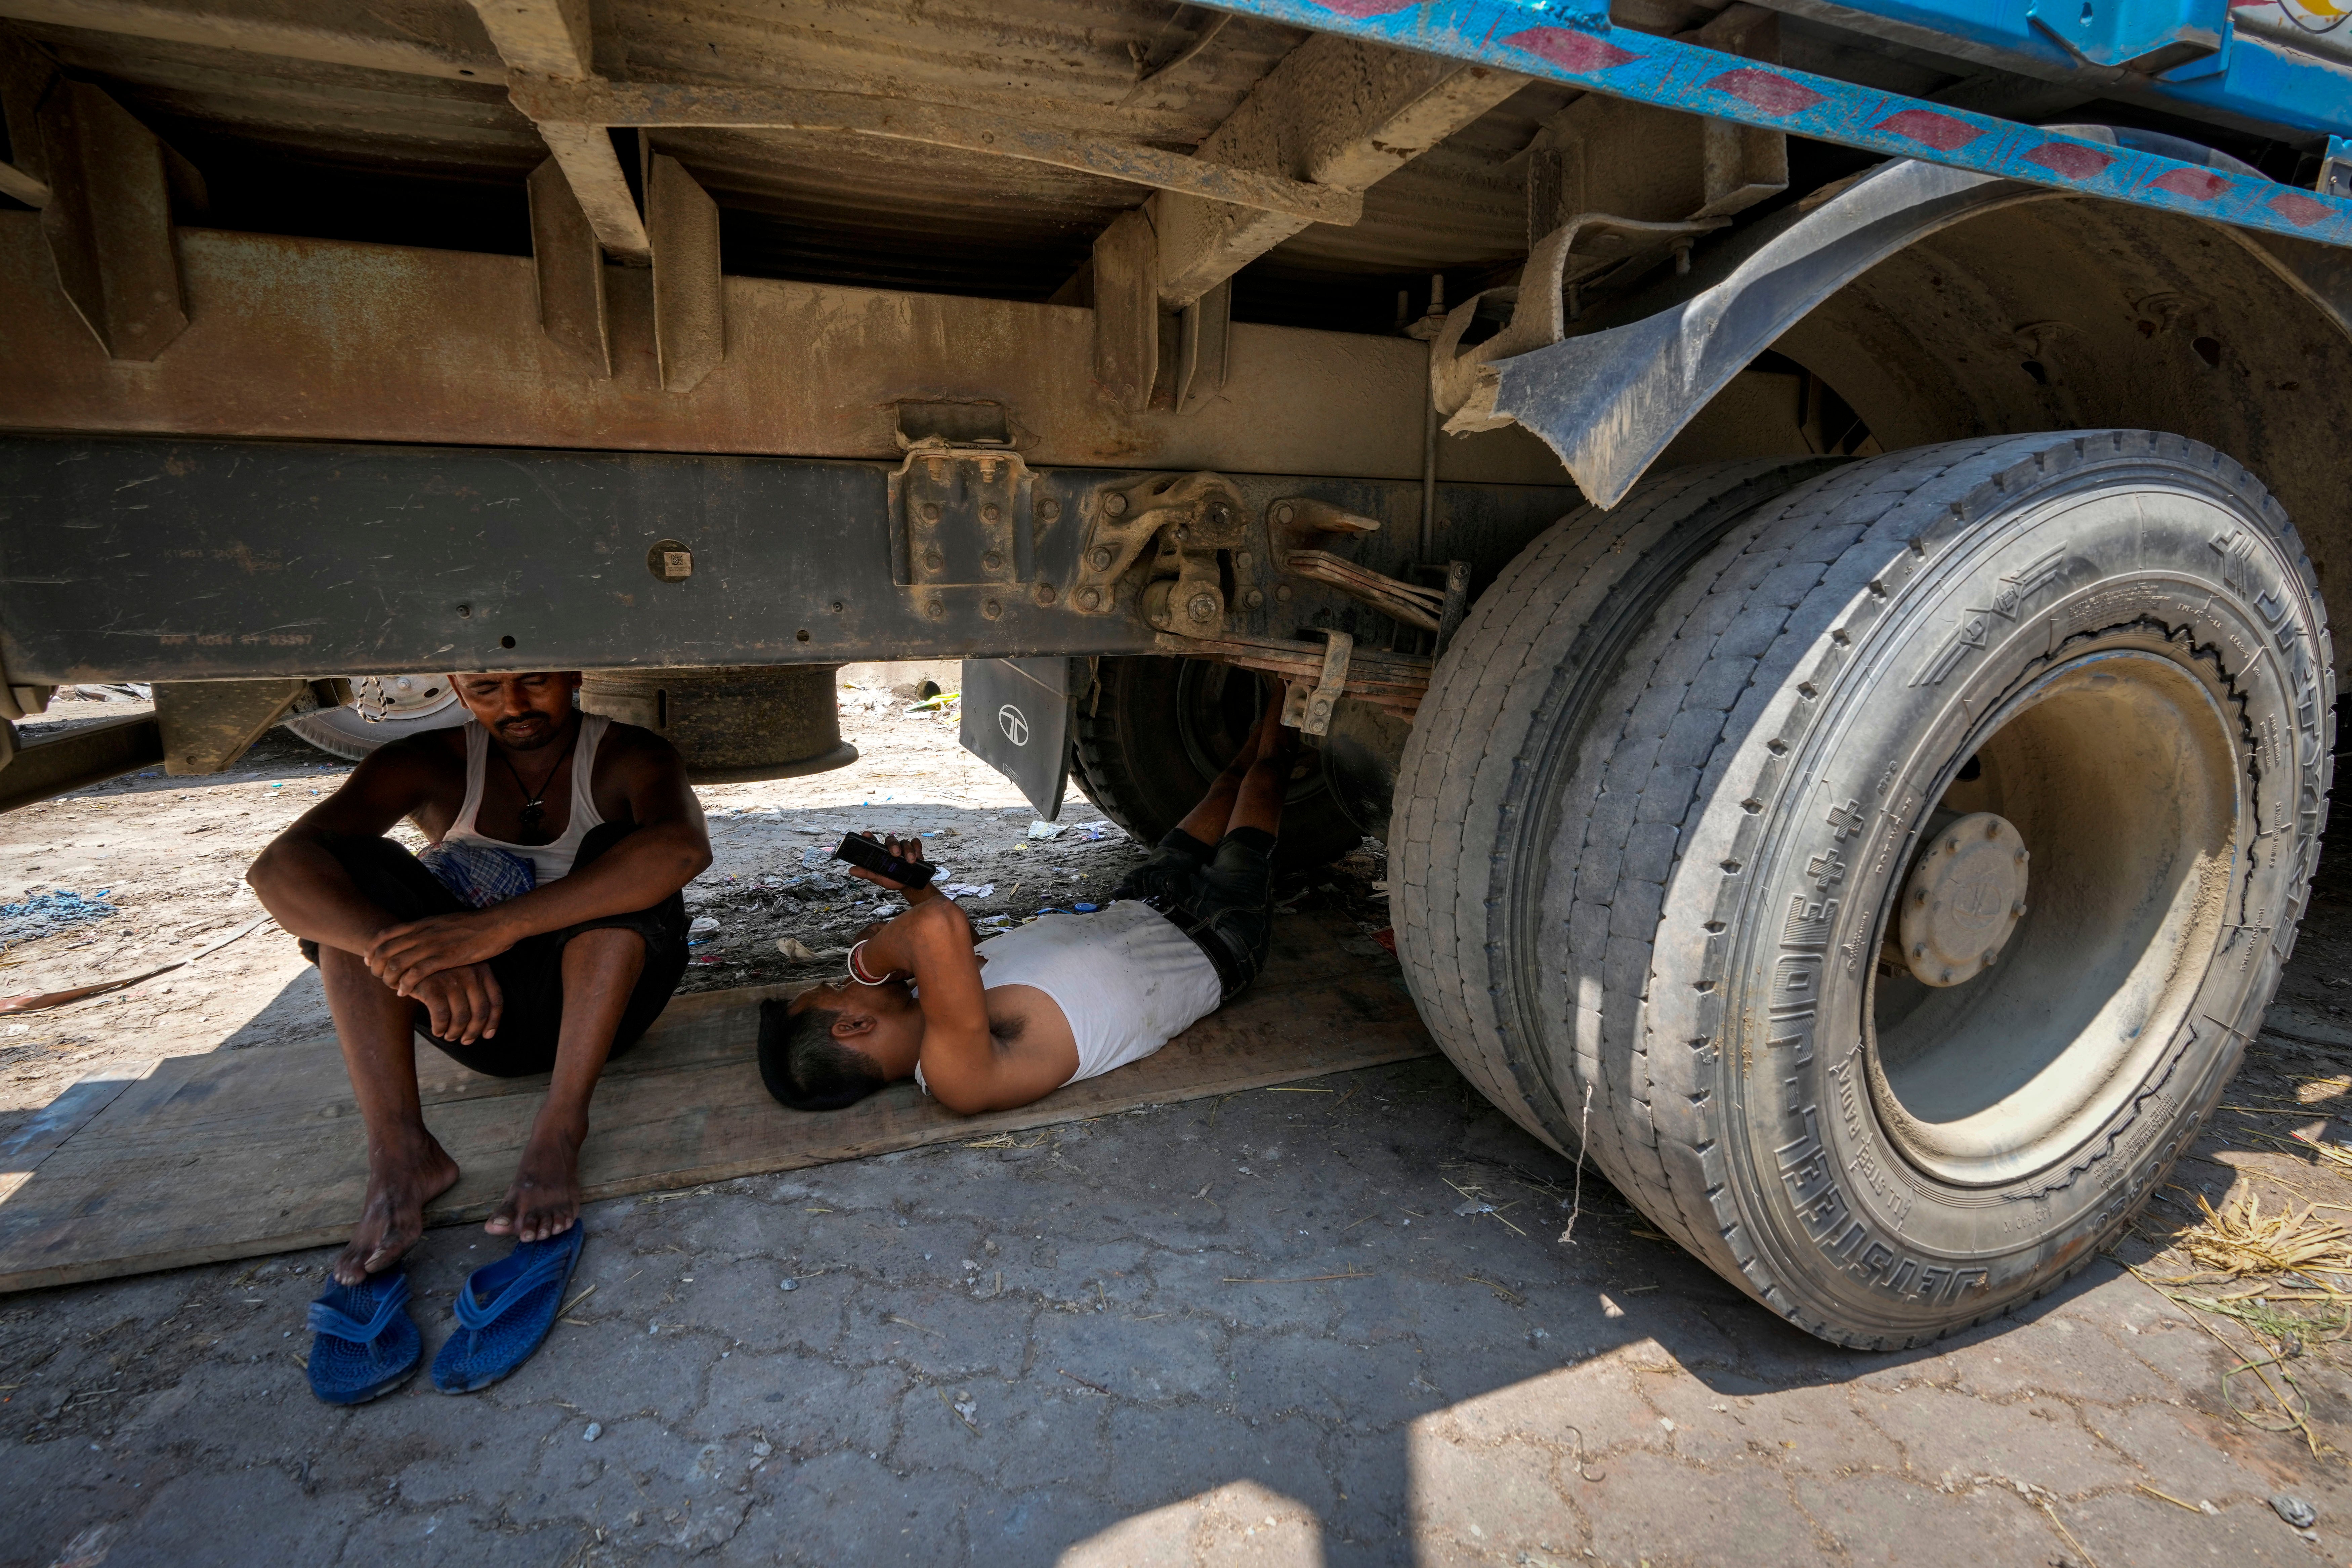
x=894 y=863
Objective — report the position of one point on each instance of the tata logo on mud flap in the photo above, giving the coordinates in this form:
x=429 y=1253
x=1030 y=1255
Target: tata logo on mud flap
x=1015 y=723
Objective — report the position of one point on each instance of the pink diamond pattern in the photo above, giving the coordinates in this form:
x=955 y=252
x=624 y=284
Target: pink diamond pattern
x=2071 y=158
x=1569 y=50
x=1930 y=129
x=2297 y=208
x=2196 y=185
x=1772 y=93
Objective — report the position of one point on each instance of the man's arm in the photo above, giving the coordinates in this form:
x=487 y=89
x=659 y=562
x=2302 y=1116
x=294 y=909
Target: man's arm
x=309 y=894
x=965 y=1067
x=669 y=849
x=300 y=881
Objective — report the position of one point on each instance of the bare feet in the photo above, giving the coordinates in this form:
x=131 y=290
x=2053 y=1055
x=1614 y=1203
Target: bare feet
x=401 y=1181
x=545 y=1198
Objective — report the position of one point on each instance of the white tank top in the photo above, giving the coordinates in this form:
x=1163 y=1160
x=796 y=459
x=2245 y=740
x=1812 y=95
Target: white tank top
x=1125 y=978
x=551 y=861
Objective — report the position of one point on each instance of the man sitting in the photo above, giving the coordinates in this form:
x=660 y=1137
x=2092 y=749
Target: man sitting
x=1067 y=996
x=542 y=931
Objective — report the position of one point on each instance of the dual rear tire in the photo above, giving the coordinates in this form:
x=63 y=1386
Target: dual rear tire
x=1688 y=756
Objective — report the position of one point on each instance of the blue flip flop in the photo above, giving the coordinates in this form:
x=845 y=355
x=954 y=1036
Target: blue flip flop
x=504 y=1310
x=365 y=1345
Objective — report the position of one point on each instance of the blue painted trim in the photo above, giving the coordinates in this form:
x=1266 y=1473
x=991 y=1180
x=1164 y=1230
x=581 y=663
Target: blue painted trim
x=1570 y=41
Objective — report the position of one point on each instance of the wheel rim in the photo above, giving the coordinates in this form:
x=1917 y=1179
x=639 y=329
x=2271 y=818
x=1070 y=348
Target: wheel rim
x=2118 y=771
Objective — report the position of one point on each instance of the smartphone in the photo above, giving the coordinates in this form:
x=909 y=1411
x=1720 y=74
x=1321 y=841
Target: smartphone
x=867 y=855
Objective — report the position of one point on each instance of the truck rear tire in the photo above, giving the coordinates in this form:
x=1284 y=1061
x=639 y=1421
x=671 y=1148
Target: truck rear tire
x=410 y=706
x=1154 y=731
x=2064 y=699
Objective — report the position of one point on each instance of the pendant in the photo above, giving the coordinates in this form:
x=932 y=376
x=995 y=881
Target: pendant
x=533 y=814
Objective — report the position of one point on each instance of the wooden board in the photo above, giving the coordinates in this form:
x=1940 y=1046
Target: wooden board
x=240 y=1154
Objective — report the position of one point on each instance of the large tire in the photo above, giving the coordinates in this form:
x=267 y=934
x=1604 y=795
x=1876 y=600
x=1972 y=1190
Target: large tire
x=1155 y=732
x=1647 y=879
x=410 y=704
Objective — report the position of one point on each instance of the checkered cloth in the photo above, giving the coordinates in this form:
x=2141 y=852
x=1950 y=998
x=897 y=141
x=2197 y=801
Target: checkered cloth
x=479 y=875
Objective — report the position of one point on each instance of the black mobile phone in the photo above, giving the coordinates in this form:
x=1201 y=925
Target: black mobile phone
x=867 y=855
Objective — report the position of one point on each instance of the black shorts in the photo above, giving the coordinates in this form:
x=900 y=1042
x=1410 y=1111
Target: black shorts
x=531 y=972
x=1221 y=898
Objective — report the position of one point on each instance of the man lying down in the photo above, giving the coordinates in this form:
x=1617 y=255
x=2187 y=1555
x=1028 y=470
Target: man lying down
x=1061 y=998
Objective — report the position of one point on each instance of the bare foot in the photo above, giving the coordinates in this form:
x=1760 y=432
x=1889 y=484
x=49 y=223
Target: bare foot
x=545 y=1198
x=401 y=1181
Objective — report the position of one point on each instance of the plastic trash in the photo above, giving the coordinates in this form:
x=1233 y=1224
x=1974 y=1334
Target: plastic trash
x=2294 y=1510
x=702 y=925
x=1047 y=830
x=969 y=889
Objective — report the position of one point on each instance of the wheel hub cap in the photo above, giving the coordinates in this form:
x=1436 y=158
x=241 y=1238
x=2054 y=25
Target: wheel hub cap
x=1964 y=899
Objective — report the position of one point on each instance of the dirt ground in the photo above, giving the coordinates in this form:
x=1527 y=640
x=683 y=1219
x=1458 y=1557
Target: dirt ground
x=171 y=854
x=1328 y=1323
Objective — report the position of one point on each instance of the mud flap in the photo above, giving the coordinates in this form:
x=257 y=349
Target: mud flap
x=1016 y=719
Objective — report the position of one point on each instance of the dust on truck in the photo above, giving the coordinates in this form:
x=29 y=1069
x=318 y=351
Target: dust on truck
x=1803 y=527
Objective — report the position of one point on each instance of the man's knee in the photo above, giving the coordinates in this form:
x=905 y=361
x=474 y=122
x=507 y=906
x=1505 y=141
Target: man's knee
x=614 y=949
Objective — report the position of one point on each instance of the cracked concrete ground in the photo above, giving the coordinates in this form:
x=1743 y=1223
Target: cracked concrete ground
x=1122 y=1342
x=1254 y=1329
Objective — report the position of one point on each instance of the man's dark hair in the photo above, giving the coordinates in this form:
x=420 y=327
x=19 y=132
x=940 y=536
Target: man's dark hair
x=804 y=1067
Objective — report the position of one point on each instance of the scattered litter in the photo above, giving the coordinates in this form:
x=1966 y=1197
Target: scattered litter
x=34 y=1002
x=788 y=1284
x=2175 y=1502
x=799 y=951
x=44 y=914
x=969 y=889
x=1086 y=909
x=815 y=855
x=1300 y=1280
x=596 y=1430
x=702 y=925
x=1041 y=829
x=2294 y=1510
x=1609 y=1308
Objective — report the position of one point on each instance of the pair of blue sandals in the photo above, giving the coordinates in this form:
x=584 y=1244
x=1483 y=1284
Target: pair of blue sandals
x=366 y=1344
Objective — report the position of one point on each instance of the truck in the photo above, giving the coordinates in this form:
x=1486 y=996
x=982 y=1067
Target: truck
x=1802 y=526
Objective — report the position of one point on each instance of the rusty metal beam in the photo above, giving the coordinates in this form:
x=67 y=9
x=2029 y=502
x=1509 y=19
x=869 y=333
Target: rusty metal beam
x=89 y=755
x=109 y=221
x=548 y=40
x=690 y=292
x=1127 y=311
x=324 y=339
x=25 y=74
x=1335 y=113
x=682 y=104
x=569 y=269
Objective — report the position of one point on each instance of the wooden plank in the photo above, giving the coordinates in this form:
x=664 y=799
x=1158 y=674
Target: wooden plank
x=1338 y=114
x=240 y=1154
x=649 y=105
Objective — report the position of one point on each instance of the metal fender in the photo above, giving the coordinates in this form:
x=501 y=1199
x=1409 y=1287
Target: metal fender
x=1609 y=401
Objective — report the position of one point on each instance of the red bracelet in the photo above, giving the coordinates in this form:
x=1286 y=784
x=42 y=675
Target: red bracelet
x=857 y=971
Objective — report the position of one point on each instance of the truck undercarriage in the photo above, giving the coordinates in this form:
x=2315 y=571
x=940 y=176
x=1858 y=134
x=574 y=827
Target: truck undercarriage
x=1696 y=465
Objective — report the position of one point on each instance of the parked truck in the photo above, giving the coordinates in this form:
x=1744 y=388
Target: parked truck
x=1802 y=526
